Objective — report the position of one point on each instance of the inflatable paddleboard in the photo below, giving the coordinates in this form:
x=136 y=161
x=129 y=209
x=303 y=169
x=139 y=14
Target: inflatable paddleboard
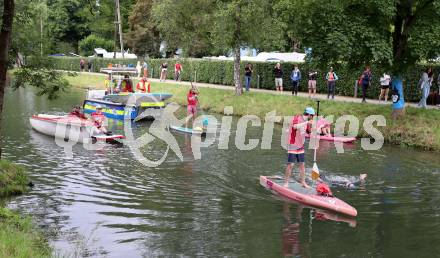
x=188 y=130
x=307 y=196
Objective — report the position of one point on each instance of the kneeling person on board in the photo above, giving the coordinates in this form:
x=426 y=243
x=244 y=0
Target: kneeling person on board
x=143 y=86
x=295 y=144
x=99 y=120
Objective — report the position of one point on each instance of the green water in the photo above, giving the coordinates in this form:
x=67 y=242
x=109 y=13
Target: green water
x=106 y=204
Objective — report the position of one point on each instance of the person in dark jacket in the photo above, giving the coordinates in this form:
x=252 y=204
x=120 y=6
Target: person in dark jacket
x=365 y=81
x=248 y=76
x=278 y=73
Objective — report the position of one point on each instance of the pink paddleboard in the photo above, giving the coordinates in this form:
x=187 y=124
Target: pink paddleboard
x=307 y=196
x=334 y=138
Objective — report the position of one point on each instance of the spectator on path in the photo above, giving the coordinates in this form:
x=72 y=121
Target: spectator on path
x=331 y=79
x=438 y=92
x=163 y=71
x=365 y=81
x=82 y=63
x=313 y=74
x=278 y=73
x=145 y=67
x=89 y=65
x=139 y=69
x=295 y=76
x=397 y=98
x=385 y=82
x=177 y=71
x=248 y=76
x=425 y=85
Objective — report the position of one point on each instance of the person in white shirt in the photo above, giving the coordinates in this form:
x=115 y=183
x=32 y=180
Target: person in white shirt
x=385 y=82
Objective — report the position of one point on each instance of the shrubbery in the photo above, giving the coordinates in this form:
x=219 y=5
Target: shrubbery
x=221 y=72
x=88 y=44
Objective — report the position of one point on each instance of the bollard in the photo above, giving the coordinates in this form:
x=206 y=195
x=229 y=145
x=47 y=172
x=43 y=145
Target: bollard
x=258 y=81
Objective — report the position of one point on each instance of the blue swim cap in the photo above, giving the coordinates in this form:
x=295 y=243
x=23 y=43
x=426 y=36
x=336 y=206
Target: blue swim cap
x=205 y=121
x=309 y=111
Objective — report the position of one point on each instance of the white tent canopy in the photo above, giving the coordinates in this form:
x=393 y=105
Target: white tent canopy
x=100 y=52
x=268 y=57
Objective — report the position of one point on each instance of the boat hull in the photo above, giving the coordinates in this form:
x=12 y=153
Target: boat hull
x=69 y=128
x=138 y=98
x=120 y=111
x=307 y=196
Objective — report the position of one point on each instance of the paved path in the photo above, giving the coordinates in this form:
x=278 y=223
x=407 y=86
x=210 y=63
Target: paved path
x=302 y=94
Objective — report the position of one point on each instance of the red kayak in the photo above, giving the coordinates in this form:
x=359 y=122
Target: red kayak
x=334 y=138
x=308 y=196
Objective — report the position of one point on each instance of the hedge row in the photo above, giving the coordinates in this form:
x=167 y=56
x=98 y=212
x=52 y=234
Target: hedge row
x=221 y=72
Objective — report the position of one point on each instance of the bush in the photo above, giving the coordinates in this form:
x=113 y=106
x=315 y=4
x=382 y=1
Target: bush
x=222 y=72
x=88 y=44
x=72 y=63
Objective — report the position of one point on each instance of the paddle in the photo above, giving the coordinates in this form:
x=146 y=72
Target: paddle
x=315 y=169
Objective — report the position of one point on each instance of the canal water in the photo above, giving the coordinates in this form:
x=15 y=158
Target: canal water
x=104 y=203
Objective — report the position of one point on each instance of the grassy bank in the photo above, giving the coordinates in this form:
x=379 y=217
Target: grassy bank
x=18 y=237
x=419 y=128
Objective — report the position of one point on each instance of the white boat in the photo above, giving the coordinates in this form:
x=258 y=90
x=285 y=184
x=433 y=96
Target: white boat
x=70 y=128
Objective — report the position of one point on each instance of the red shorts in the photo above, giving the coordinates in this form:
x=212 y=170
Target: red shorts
x=192 y=109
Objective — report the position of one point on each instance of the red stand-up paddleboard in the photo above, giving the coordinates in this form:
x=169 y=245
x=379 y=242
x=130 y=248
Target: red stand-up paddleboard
x=332 y=138
x=308 y=196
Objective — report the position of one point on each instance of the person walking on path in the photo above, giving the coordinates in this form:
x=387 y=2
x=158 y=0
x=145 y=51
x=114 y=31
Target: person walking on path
x=177 y=71
x=365 y=81
x=278 y=73
x=82 y=64
x=295 y=76
x=331 y=79
x=385 y=82
x=139 y=69
x=248 y=76
x=89 y=65
x=425 y=86
x=145 y=67
x=299 y=125
x=312 y=83
x=163 y=71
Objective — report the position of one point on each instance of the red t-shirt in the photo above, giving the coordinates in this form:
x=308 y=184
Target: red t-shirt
x=297 y=135
x=192 y=99
x=178 y=67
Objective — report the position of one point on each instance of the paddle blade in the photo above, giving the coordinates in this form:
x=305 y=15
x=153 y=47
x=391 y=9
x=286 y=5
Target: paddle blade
x=315 y=171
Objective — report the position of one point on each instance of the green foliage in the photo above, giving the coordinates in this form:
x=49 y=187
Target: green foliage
x=88 y=44
x=18 y=237
x=72 y=63
x=13 y=179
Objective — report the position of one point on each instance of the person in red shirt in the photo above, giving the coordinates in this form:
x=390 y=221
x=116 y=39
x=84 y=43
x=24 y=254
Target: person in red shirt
x=99 y=120
x=127 y=84
x=295 y=145
x=143 y=85
x=76 y=112
x=177 y=71
x=192 y=98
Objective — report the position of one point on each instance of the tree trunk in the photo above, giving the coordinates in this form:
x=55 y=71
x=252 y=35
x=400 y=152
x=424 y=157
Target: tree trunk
x=5 y=35
x=237 y=77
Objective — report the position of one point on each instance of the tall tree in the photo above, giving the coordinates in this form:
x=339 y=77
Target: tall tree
x=5 y=39
x=143 y=37
x=240 y=23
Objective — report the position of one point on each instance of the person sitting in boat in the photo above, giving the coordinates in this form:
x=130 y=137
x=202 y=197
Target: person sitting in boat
x=76 y=112
x=340 y=181
x=192 y=98
x=323 y=126
x=99 y=120
x=295 y=147
x=127 y=84
x=143 y=86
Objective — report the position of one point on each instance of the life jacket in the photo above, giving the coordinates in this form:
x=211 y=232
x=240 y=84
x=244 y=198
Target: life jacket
x=296 y=136
x=192 y=100
x=331 y=76
x=126 y=86
x=323 y=189
x=141 y=86
x=98 y=119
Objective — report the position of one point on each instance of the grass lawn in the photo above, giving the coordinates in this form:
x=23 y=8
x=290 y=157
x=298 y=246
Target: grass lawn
x=419 y=128
x=18 y=237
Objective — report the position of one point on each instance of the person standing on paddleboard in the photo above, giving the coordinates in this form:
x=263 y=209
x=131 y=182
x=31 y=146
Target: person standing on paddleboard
x=295 y=144
x=193 y=101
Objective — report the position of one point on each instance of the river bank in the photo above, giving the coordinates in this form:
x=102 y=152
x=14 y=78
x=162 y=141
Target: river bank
x=18 y=236
x=419 y=128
